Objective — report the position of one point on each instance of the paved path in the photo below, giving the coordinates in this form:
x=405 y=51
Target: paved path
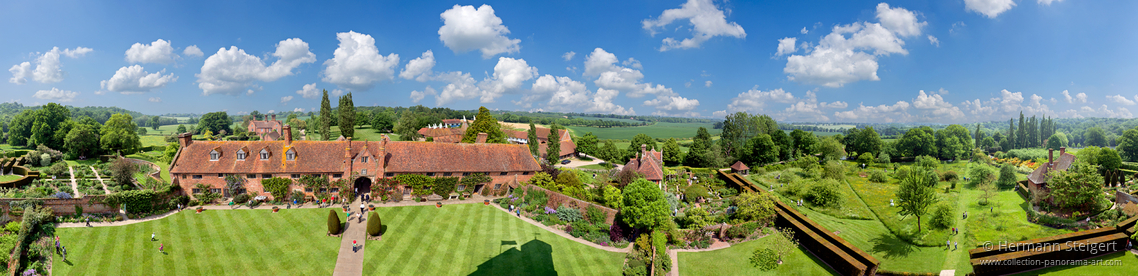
x=952 y=258
x=74 y=186
x=351 y=262
x=108 y=191
x=115 y=223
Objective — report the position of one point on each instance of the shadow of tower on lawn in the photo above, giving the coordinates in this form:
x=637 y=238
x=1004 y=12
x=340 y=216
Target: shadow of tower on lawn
x=534 y=258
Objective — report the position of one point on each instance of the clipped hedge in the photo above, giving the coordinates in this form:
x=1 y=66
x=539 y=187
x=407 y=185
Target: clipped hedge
x=333 y=222
x=373 y=224
x=134 y=201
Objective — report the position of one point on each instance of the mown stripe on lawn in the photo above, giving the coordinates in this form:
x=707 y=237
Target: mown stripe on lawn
x=463 y=245
x=403 y=242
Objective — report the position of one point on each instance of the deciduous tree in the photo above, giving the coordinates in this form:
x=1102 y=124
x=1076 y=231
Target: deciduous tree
x=644 y=205
x=917 y=193
x=119 y=135
x=1079 y=187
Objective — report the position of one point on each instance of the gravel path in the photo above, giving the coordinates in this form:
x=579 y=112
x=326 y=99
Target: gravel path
x=74 y=186
x=100 y=178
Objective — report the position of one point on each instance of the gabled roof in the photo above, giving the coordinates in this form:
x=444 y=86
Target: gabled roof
x=405 y=156
x=739 y=166
x=542 y=134
x=650 y=164
x=271 y=136
x=567 y=147
x=312 y=156
x=265 y=124
x=1042 y=174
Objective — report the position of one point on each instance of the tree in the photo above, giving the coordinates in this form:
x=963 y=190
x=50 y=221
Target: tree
x=181 y=129
x=917 y=193
x=325 y=117
x=1127 y=145
x=347 y=116
x=119 y=134
x=954 y=142
x=989 y=191
x=407 y=127
x=20 y=128
x=277 y=186
x=988 y=143
x=868 y=141
x=644 y=205
x=333 y=222
x=1110 y=162
x=831 y=149
x=672 y=153
x=154 y=122
x=82 y=140
x=485 y=123
x=1007 y=178
x=553 y=147
x=1059 y=140
x=917 y=142
x=609 y=152
x=374 y=226
x=804 y=142
x=1079 y=187
x=383 y=121
x=1095 y=137
x=698 y=153
x=214 y=122
x=141 y=131
x=531 y=140
x=122 y=172
x=784 y=242
x=587 y=144
x=544 y=180
x=640 y=139
x=613 y=197
x=755 y=207
x=760 y=150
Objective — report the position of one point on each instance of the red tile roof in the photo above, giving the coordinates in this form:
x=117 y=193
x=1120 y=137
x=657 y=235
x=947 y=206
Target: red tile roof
x=650 y=164
x=442 y=157
x=739 y=166
x=1041 y=175
x=311 y=156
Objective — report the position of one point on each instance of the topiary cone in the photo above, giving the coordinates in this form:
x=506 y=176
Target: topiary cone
x=333 y=222
x=373 y=224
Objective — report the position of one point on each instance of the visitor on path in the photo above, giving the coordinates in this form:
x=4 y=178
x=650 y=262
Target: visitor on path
x=88 y=221
x=354 y=246
x=57 y=246
x=65 y=253
x=948 y=244
x=519 y=211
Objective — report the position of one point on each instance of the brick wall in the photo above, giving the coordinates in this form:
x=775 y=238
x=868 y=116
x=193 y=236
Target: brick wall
x=66 y=206
x=557 y=199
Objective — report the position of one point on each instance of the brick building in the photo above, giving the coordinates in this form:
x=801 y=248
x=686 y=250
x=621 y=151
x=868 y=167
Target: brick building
x=452 y=130
x=268 y=130
x=649 y=163
x=209 y=162
x=1038 y=178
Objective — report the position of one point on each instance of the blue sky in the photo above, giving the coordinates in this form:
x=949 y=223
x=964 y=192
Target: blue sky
x=824 y=61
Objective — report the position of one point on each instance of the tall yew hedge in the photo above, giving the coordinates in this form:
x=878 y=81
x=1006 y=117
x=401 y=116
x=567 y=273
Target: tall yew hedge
x=333 y=222
x=373 y=224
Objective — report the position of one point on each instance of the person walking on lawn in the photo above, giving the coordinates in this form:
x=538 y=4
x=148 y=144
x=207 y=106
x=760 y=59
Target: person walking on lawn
x=152 y=236
x=161 y=248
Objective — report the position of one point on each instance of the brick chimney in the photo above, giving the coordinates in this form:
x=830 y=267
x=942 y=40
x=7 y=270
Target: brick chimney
x=1051 y=156
x=1062 y=150
x=481 y=138
x=185 y=139
x=287 y=134
x=274 y=117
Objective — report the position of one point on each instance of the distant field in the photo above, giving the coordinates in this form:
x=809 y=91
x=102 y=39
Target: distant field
x=818 y=133
x=828 y=126
x=609 y=119
x=657 y=130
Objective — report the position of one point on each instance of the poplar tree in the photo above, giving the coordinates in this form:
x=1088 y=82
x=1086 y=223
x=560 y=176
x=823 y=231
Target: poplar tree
x=325 y=116
x=347 y=116
x=533 y=143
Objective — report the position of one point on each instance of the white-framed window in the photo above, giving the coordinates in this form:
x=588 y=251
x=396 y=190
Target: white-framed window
x=264 y=154
x=214 y=155
x=241 y=155
x=290 y=155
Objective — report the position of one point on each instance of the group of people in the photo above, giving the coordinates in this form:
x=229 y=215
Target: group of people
x=60 y=249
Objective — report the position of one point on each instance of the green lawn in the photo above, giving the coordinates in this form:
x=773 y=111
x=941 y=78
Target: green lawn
x=735 y=260
x=656 y=130
x=877 y=196
x=595 y=167
x=362 y=133
x=10 y=177
x=1003 y=220
x=247 y=242
x=474 y=239
x=894 y=253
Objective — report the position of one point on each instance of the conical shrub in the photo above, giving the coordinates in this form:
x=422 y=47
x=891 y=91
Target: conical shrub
x=333 y=222
x=373 y=224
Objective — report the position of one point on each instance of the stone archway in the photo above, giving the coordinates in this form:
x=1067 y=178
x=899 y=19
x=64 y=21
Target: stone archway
x=363 y=185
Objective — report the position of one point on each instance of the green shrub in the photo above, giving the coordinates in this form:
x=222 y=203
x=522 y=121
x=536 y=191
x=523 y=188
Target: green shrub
x=660 y=243
x=834 y=170
x=765 y=259
x=742 y=230
x=695 y=192
x=595 y=215
x=134 y=202
x=568 y=214
x=942 y=216
x=373 y=224
x=535 y=197
x=333 y=222
x=927 y=161
x=949 y=176
x=878 y=176
x=635 y=267
x=241 y=198
x=580 y=228
x=826 y=193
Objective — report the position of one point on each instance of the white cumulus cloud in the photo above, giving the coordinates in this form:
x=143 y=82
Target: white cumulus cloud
x=309 y=91
x=787 y=46
x=611 y=76
x=417 y=96
x=569 y=55
x=508 y=75
x=154 y=99
x=934 y=41
x=357 y=64
x=466 y=28
x=1048 y=2
x=989 y=8
x=707 y=83
x=55 y=94
x=1120 y=99
x=419 y=68
x=755 y=100
x=48 y=68
x=159 y=52
x=706 y=21
x=133 y=79
x=286 y=99
x=230 y=71
x=849 y=53
x=565 y=94
x=193 y=50
x=1078 y=98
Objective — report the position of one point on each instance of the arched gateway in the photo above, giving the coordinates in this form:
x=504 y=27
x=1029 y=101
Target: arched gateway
x=363 y=185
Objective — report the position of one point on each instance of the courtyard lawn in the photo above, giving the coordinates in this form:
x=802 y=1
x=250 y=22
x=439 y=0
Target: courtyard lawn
x=877 y=196
x=894 y=253
x=474 y=239
x=735 y=260
x=215 y=242
x=1003 y=220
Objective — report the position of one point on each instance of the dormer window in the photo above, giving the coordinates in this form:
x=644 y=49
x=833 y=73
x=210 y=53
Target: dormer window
x=290 y=155
x=214 y=155
x=241 y=155
x=264 y=154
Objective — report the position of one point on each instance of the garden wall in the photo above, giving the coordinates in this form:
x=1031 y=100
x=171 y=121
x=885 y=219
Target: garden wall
x=66 y=206
x=556 y=199
x=1121 y=198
